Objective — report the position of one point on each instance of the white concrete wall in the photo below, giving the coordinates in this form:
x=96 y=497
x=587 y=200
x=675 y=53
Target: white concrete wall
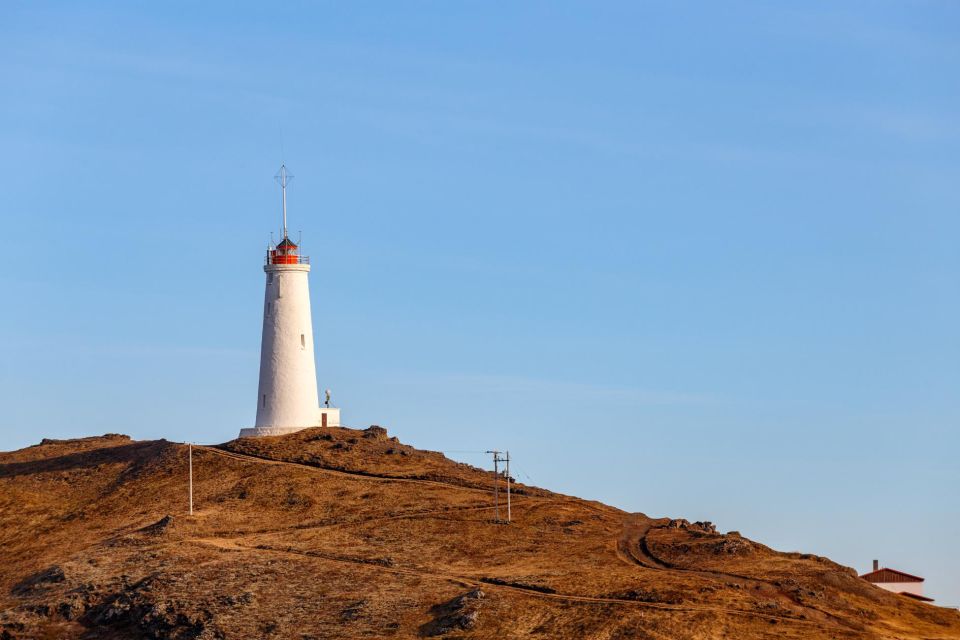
x=333 y=416
x=915 y=588
x=287 y=399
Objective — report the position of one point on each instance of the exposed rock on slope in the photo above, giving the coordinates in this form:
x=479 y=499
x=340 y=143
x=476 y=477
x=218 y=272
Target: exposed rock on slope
x=343 y=533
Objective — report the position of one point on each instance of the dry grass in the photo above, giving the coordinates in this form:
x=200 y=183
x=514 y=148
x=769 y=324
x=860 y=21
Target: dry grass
x=343 y=533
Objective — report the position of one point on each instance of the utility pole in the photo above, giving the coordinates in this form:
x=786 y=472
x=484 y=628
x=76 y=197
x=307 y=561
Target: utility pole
x=190 y=454
x=496 y=483
x=508 y=487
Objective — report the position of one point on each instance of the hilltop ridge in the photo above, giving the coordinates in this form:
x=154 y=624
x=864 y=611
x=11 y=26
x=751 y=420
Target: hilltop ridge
x=349 y=533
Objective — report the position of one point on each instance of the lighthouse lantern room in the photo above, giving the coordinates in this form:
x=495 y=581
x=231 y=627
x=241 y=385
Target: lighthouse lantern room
x=287 y=398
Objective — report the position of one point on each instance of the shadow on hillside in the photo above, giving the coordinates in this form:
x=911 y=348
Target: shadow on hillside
x=130 y=453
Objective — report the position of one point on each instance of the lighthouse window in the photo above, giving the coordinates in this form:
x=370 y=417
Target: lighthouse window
x=269 y=278
x=269 y=308
x=303 y=341
x=264 y=401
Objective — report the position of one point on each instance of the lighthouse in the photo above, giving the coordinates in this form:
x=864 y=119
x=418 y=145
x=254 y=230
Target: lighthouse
x=287 y=399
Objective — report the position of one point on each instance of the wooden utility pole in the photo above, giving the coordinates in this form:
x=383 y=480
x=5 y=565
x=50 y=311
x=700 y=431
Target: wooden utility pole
x=496 y=484
x=508 y=487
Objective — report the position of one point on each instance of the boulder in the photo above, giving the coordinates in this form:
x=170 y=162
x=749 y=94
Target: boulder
x=375 y=432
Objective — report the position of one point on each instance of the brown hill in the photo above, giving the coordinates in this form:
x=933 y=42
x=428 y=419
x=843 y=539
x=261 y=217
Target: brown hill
x=339 y=533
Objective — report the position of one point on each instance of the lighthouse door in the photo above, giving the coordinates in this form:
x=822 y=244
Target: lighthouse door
x=323 y=419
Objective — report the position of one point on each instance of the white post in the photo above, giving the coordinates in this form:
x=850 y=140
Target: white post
x=508 y=486
x=190 y=449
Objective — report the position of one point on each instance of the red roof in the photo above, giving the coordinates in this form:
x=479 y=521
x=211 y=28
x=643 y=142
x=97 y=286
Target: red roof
x=890 y=575
x=916 y=596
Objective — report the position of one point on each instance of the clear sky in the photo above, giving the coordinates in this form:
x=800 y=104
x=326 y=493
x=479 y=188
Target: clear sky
x=691 y=259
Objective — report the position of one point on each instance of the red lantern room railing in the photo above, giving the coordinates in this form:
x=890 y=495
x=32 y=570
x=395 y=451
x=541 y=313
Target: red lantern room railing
x=286 y=253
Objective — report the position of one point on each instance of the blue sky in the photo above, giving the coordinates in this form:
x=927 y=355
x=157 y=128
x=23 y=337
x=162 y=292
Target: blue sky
x=691 y=259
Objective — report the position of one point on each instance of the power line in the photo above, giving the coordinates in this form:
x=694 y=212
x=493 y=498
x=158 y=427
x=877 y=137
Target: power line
x=460 y=451
x=527 y=475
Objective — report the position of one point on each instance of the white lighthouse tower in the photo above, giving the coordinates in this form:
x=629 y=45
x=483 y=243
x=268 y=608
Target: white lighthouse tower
x=287 y=400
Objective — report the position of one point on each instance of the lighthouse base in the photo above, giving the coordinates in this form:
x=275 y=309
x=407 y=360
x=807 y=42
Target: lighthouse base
x=326 y=417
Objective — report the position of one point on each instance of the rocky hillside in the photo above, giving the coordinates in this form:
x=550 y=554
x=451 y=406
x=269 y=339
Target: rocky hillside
x=338 y=533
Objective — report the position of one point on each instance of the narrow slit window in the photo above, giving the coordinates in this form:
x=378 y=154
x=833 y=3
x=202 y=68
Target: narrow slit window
x=303 y=341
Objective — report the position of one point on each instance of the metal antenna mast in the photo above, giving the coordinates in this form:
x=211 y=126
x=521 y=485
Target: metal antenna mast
x=283 y=177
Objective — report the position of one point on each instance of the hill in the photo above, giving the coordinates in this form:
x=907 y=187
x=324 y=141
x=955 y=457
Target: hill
x=341 y=533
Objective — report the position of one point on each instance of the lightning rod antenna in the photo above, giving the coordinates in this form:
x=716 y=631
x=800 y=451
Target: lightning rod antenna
x=284 y=177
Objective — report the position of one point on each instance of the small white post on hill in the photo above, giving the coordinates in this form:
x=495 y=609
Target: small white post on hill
x=190 y=464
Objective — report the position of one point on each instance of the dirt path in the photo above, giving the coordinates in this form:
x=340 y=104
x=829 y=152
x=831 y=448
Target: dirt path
x=231 y=544
x=630 y=547
x=353 y=475
x=519 y=500
x=359 y=521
